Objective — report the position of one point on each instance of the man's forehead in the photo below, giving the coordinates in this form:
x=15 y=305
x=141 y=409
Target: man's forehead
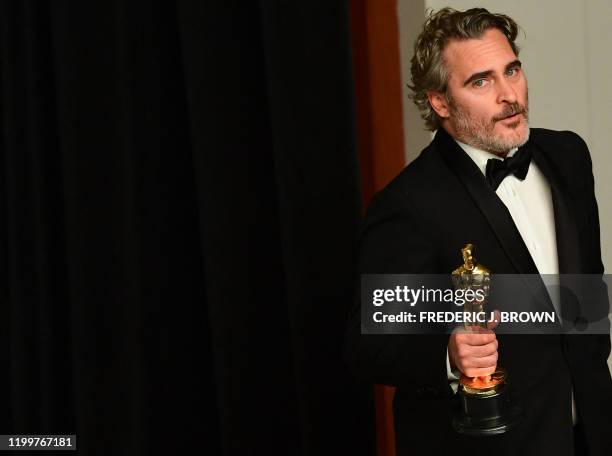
x=491 y=50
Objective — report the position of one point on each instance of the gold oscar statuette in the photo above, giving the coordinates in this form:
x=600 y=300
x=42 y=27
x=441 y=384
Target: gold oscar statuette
x=485 y=407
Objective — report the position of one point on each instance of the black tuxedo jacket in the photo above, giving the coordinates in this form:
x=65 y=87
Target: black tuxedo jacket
x=418 y=224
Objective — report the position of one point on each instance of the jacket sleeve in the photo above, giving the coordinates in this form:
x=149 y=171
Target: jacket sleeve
x=598 y=267
x=600 y=305
x=393 y=241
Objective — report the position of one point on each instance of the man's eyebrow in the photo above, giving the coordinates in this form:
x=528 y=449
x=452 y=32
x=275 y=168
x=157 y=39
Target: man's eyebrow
x=476 y=76
x=514 y=64
x=484 y=74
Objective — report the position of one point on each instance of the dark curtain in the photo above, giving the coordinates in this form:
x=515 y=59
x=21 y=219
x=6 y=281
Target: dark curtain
x=180 y=204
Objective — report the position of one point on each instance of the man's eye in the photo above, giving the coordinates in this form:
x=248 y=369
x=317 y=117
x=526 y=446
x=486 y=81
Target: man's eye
x=512 y=71
x=479 y=83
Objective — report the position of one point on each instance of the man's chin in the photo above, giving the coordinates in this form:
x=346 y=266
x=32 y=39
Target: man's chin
x=516 y=137
x=499 y=144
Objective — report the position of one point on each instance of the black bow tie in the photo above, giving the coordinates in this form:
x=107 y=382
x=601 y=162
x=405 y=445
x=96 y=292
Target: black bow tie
x=518 y=164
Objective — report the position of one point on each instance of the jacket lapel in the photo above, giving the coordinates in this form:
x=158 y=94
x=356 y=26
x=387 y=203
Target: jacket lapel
x=496 y=214
x=491 y=207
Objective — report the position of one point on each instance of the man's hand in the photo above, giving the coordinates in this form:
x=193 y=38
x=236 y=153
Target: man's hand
x=473 y=352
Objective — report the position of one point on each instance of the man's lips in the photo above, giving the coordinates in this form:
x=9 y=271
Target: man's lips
x=512 y=118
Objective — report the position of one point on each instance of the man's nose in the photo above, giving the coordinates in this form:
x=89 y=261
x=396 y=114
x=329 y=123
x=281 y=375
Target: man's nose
x=505 y=92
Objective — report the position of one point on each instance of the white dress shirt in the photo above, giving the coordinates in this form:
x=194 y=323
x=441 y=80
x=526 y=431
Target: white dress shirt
x=530 y=205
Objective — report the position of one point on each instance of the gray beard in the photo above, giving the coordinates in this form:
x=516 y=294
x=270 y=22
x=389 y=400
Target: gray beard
x=469 y=133
x=479 y=134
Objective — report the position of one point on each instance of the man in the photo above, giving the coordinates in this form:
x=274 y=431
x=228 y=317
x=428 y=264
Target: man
x=536 y=213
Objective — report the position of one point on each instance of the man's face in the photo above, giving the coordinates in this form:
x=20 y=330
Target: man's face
x=486 y=104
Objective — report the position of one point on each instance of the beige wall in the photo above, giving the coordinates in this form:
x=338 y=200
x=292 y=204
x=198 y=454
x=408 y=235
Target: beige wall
x=411 y=14
x=566 y=58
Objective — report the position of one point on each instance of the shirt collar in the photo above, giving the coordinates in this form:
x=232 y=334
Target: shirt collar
x=480 y=157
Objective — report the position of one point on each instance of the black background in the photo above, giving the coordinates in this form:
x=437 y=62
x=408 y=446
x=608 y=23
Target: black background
x=180 y=203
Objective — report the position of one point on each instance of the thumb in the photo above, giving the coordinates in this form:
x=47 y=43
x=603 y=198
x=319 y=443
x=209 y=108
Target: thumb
x=494 y=321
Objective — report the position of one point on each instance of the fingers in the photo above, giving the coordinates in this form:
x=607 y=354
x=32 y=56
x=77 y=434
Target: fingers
x=475 y=339
x=485 y=362
x=476 y=351
x=473 y=353
x=478 y=366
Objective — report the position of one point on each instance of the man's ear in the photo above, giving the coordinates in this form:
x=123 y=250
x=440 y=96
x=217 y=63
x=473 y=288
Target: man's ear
x=438 y=102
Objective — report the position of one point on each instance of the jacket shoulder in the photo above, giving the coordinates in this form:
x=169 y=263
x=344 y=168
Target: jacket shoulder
x=566 y=148
x=418 y=175
x=565 y=140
